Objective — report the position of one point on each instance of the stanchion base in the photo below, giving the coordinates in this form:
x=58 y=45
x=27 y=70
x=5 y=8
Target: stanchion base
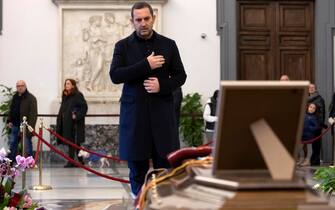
x=40 y=187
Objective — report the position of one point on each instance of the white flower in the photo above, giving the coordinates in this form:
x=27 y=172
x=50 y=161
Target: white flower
x=10 y=208
x=316 y=186
x=3 y=154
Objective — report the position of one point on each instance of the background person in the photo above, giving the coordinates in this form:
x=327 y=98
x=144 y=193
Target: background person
x=22 y=104
x=71 y=117
x=315 y=98
x=209 y=116
x=312 y=129
x=284 y=77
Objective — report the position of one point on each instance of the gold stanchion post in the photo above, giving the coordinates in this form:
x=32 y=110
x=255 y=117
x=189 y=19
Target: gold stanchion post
x=23 y=128
x=40 y=186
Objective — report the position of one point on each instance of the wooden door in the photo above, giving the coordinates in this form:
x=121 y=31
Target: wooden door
x=275 y=38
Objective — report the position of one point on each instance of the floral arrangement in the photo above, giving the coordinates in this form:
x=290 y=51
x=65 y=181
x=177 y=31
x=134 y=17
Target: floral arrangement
x=10 y=200
x=325 y=177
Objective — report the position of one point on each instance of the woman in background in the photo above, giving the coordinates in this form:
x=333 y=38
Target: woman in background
x=71 y=117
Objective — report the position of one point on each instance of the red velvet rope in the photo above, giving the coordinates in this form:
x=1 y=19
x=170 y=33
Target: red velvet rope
x=81 y=148
x=207 y=144
x=75 y=162
x=40 y=132
x=316 y=138
x=302 y=142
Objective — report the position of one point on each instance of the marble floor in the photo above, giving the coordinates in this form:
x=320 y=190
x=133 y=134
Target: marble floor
x=76 y=189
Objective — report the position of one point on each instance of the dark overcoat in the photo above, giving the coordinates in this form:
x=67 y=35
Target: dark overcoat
x=317 y=99
x=147 y=120
x=66 y=126
x=312 y=127
x=28 y=108
x=332 y=107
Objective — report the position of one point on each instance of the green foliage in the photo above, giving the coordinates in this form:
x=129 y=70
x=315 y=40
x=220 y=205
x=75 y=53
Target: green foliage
x=326 y=179
x=7 y=93
x=191 y=120
x=8 y=184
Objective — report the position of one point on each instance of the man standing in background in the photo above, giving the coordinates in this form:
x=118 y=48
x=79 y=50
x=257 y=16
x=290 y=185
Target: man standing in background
x=22 y=104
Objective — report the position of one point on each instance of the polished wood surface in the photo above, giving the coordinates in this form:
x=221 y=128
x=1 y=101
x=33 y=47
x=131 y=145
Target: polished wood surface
x=288 y=199
x=274 y=38
x=276 y=200
x=249 y=200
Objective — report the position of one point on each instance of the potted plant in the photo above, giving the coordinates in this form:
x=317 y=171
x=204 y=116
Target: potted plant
x=325 y=177
x=191 y=120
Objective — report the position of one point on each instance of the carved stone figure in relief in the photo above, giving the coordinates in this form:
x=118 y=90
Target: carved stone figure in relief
x=111 y=33
x=127 y=27
x=95 y=44
x=99 y=35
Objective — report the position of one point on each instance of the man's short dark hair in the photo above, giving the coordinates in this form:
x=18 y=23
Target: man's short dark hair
x=141 y=5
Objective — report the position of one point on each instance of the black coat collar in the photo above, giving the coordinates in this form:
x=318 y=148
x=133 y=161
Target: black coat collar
x=24 y=95
x=134 y=38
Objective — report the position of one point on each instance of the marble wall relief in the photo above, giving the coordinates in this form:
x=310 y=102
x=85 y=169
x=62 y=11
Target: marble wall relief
x=88 y=36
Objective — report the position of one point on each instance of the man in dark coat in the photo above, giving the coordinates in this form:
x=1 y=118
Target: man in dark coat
x=150 y=67
x=315 y=98
x=23 y=104
x=177 y=100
